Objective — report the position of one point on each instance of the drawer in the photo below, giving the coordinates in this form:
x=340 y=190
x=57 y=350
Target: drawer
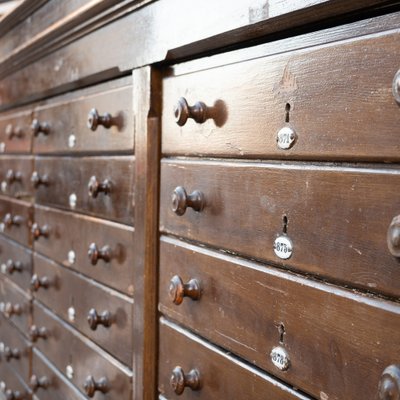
x=288 y=105
x=81 y=359
x=16 y=262
x=15 y=350
x=100 y=186
x=15 y=132
x=48 y=383
x=87 y=121
x=77 y=299
x=221 y=376
x=15 y=305
x=11 y=385
x=319 y=327
x=16 y=217
x=250 y=208
x=100 y=249
x=15 y=176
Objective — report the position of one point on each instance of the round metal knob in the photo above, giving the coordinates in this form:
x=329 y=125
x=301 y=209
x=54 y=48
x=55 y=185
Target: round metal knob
x=13 y=176
x=95 y=187
x=389 y=385
x=35 y=333
x=37 y=283
x=12 y=132
x=181 y=201
x=10 y=220
x=40 y=127
x=36 y=383
x=178 y=290
x=183 y=111
x=10 y=353
x=37 y=180
x=94 y=120
x=95 y=319
x=95 y=254
x=179 y=380
x=13 y=266
x=12 y=309
x=393 y=236
x=38 y=231
x=396 y=87
x=91 y=386
x=13 y=395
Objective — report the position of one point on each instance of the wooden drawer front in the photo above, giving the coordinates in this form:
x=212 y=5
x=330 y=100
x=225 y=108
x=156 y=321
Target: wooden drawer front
x=68 y=122
x=15 y=305
x=81 y=358
x=15 y=350
x=16 y=220
x=221 y=375
x=15 y=262
x=12 y=385
x=72 y=297
x=69 y=180
x=70 y=241
x=15 y=176
x=56 y=386
x=15 y=132
x=335 y=114
x=250 y=309
x=337 y=219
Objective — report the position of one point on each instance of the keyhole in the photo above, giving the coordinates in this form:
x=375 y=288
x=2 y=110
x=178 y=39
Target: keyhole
x=287 y=111
x=285 y=223
x=282 y=331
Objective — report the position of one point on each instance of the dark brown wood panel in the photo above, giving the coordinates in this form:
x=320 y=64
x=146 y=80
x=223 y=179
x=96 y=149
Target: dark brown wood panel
x=250 y=309
x=72 y=297
x=15 y=132
x=221 y=375
x=15 y=176
x=70 y=177
x=15 y=262
x=12 y=384
x=68 y=122
x=336 y=218
x=69 y=242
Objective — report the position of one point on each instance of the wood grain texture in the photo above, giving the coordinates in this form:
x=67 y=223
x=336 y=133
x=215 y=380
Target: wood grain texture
x=222 y=376
x=68 y=289
x=19 y=123
x=71 y=176
x=80 y=355
x=21 y=166
x=337 y=218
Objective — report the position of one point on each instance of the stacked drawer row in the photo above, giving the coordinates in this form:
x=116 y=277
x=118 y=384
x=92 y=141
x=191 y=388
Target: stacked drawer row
x=279 y=229
x=67 y=285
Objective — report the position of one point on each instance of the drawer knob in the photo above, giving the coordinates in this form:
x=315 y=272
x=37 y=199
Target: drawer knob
x=13 y=395
x=13 y=176
x=389 y=385
x=12 y=309
x=95 y=187
x=95 y=254
x=183 y=111
x=178 y=290
x=181 y=200
x=38 y=231
x=12 y=132
x=36 y=333
x=95 y=319
x=10 y=353
x=40 y=127
x=39 y=383
x=91 y=386
x=393 y=236
x=179 y=380
x=10 y=220
x=38 y=180
x=13 y=266
x=94 y=120
x=396 y=87
x=37 y=283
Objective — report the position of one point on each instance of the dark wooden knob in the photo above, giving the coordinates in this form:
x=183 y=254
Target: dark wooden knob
x=38 y=180
x=12 y=309
x=10 y=353
x=37 y=283
x=13 y=395
x=95 y=254
x=183 y=111
x=396 y=87
x=95 y=319
x=91 y=386
x=178 y=290
x=13 y=266
x=39 y=383
x=181 y=200
x=179 y=380
x=393 y=236
x=94 y=119
x=95 y=187
x=10 y=220
x=40 y=127
x=12 y=132
x=13 y=176
x=389 y=385
x=36 y=333
x=38 y=231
